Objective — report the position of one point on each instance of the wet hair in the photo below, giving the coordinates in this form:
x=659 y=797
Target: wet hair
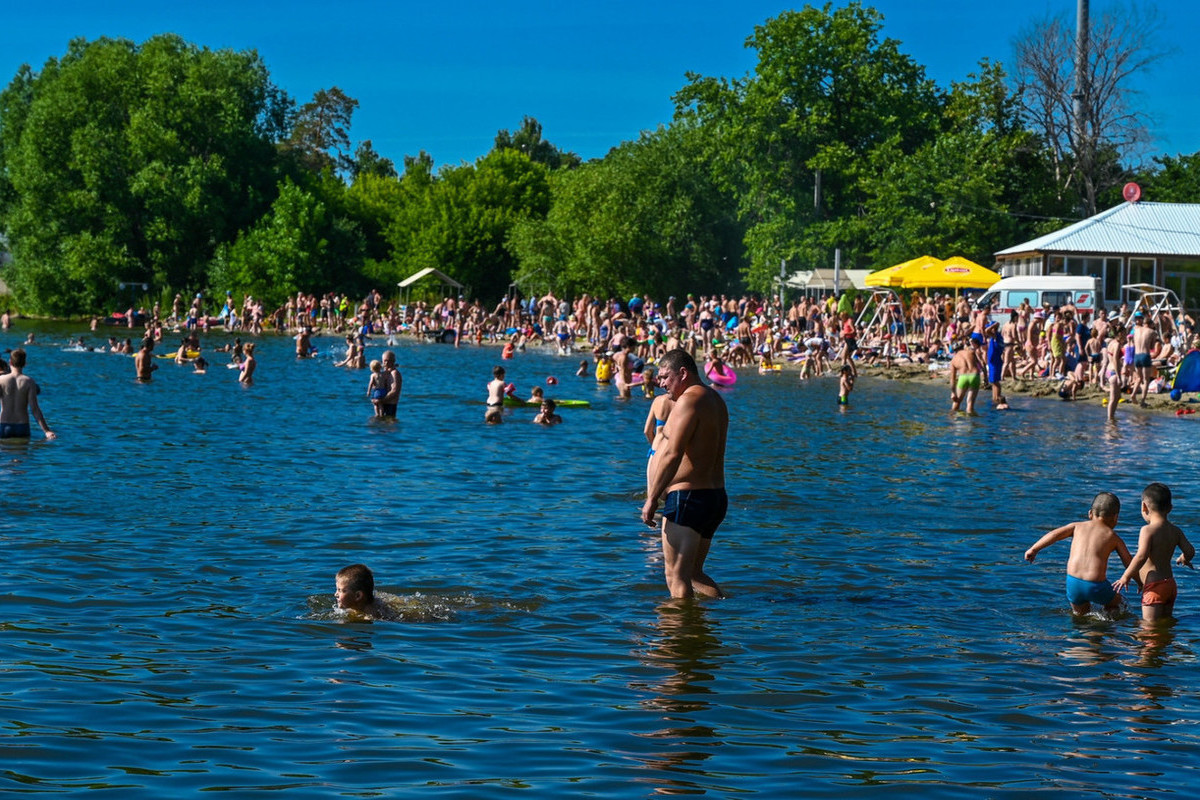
x=498 y=372
x=1156 y=496
x=358 y=578
x=17 y=358
x=678 y=359
x=549 y=404
x=1106 y=504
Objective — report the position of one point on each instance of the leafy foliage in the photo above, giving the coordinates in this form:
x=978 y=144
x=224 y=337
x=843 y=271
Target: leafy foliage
x=146 y=156
x=646 y=218
x=793 y=141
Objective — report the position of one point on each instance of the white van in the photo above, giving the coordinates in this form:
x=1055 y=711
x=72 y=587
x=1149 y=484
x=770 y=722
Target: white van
x=1006 y=294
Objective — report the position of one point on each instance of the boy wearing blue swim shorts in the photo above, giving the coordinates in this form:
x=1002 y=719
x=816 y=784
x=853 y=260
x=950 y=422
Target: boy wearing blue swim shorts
x=1092 y=542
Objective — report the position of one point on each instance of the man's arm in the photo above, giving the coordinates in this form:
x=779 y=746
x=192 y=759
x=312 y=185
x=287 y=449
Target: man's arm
x=393 y=392
x=36 y=411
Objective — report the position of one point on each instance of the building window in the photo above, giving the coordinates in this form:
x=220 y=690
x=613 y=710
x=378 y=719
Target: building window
x=1141 y=270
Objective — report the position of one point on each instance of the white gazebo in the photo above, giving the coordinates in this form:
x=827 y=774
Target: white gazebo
x=447 y=282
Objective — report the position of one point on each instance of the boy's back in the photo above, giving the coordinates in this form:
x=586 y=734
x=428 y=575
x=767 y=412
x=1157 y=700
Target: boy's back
x=1091 y=545
x=1160 y=538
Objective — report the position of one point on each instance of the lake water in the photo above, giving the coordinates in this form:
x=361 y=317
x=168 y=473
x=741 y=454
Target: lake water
x=167 y=623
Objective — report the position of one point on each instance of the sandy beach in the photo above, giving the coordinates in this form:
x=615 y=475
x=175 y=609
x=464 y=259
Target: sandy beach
x=1041 y=387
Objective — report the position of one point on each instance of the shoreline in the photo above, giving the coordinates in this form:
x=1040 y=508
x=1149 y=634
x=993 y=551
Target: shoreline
x=1043 y=388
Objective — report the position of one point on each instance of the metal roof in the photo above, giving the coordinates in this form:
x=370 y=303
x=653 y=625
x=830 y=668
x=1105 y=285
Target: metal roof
x=1153 y=229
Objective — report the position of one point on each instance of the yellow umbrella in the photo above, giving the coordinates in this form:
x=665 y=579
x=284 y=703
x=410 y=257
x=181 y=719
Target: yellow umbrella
x=887 y=275
x=953 y=273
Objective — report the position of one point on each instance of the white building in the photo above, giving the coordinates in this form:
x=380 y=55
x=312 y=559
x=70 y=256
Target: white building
x=1156 y=243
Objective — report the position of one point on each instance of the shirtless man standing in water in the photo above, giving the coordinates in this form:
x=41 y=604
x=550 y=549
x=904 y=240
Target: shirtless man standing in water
x=18 y=399
x=143 y=360
x=965 y=379
x=689 y=467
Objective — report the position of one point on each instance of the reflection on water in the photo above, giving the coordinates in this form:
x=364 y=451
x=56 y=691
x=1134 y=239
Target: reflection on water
x=166 y=626
x=684 y=644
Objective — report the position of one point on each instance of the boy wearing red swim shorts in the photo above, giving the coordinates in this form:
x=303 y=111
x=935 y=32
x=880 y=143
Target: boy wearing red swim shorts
x=1152 y=562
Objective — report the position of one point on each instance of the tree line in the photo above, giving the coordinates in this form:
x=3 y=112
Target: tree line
x=187 y=169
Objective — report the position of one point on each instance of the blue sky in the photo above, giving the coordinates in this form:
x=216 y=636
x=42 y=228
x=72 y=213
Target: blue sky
x=444 y=77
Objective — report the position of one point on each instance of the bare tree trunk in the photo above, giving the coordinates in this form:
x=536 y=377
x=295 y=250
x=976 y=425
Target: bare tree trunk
x=1084 y=107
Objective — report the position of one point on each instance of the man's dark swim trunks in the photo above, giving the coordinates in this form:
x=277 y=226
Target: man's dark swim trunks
x=699 y=509
x=14 y=430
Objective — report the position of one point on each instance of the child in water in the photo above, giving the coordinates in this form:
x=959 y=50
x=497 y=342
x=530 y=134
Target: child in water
x=1151 y=565
x=1092 y=542
x=546 y=415
x=355 y=593
x=845 y=385
x=376 y=390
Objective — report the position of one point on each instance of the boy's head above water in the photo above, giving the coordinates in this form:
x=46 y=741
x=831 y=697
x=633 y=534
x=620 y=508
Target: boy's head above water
x=355 y=587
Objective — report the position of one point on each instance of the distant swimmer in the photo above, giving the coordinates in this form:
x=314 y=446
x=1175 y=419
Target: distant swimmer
x=689 y=469
x=394 y=383
x=546 y=415
x=495 y=398
x=377 y=386
x=623 y=369
x=247 y=367
x=845 y=385
x=143 y=360
x=18 y=400
x=304 y=343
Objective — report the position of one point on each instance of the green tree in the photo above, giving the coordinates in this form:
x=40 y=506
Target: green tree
x=320 y=137
x=970 y=190
x=373 y=201
x=1175 y=179
x=299 y=245
x=151 y=154
x=794 y=141
x=368 y=162
x=647 y=218
x=528 y=140
x=460 y=221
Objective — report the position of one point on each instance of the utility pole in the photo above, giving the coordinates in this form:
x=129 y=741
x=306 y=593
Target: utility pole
x=1080 y=96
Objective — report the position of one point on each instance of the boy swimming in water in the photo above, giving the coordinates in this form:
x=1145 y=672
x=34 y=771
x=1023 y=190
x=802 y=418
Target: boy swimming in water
x=1092 y=542
x=356 y=592
x=546 y=415
x=1151 y=565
